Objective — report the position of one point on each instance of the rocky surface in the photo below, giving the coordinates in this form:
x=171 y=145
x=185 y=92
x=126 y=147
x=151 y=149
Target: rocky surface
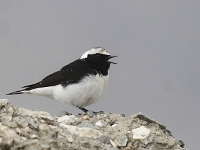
x=22 y=129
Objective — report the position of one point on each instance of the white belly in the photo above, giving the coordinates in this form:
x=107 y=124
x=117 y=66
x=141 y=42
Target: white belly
x=81 y=94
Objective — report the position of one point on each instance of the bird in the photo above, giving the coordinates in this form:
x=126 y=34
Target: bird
x=80 y=83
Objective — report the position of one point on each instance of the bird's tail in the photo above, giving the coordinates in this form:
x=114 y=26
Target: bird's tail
x=16 y=92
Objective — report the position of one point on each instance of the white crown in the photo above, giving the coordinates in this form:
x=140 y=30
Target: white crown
x=95 y=50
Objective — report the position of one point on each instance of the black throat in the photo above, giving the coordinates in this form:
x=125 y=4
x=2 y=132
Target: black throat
x=101 y=66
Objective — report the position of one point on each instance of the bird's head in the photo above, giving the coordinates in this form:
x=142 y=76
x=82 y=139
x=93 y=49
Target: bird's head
x=98 y=54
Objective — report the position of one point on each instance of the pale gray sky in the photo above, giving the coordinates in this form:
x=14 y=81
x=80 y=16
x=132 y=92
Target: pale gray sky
x=157 y=41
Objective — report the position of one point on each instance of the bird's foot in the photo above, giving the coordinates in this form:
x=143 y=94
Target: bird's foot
x=90 y=113
x=98 y=112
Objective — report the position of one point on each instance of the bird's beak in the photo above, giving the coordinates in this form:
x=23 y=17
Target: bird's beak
x=111 y=61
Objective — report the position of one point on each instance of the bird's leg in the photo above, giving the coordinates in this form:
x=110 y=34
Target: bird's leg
x=83 y=109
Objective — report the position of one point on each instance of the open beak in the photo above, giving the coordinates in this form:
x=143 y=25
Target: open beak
x=111 y=61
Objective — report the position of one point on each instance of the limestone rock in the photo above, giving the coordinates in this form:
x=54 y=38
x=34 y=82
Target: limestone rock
x=140 y=133
x=22 y=129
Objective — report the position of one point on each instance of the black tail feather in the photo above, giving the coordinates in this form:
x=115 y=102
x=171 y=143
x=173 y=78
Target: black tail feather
x=16 y=92
x=30 y=86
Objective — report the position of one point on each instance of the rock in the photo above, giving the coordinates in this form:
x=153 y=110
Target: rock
x=86 y=123
x=114 y=125
x=104 y=139
x=85 y=117
x=9 y=135
x=82 y=132
x=100 y=123
x=66 y=119
x=140 y=133
x=29 y=130
x=121 y=140
x=69 y=138
x=90 y=113
x=33 y=136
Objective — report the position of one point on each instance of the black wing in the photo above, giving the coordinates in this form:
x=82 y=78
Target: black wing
x=69 y=74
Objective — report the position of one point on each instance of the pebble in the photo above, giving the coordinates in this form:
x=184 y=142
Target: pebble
x=113 y=143
x=33 y=136
x=104 y=139
x=100 y=123
x=114 y=125
x=43 y=127
x=85 y=117
x=66 y=119
x=140 y=133
x=90 y=113
x=18 y=131
x=32 y=123
x=121 y=140
x=82 y=132
x=69 y=138
x=21 y=121
x=27 y=130
x=10 y=110
x=86 y=123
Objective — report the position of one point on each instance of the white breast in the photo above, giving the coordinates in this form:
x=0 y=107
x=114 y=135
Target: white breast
x=81 y=94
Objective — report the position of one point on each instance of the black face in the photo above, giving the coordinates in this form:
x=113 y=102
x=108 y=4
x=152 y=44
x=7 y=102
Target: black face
x=100 y=58
x=100 y=62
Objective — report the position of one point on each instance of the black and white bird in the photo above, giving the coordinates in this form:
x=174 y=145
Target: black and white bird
x=80 y=83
